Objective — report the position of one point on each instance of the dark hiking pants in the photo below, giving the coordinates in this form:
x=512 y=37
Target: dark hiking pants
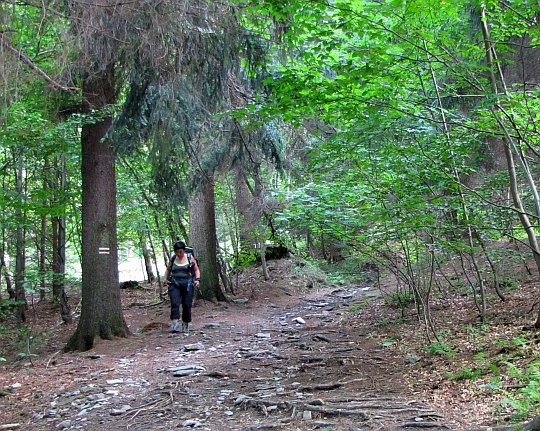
x=181 y=293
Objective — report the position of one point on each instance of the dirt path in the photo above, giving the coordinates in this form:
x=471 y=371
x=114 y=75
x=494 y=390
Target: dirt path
x=283 y=360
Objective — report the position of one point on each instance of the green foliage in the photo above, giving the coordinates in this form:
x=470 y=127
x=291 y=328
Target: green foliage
x=477 y=330
x=7 y=307
x=466 y=374
x=401 y=299
x=441 y=348
x=355 y=308
x=509 y=284
x=308 y=270
x=515 y=345
x=21 y=342
x=384 y=172
x=526 y=398
x=247 y=258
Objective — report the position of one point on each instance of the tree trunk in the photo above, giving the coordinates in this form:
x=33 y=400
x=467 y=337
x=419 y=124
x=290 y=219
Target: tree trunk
x=4 y=264
x=42 y=260
x=59 y=250
x=20 y=259
x=43 y=234
x=309 y=243
x=264 y=265
x=245 y=217
x=203 y=239
x=59 y=269
x=147 y=260
x=101 y=311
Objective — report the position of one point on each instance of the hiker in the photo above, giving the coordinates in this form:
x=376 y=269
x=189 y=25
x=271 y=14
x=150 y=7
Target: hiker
x=182 y=277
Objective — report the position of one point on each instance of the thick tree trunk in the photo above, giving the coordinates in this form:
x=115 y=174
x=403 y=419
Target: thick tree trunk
x=203 y=239
x=101 y=312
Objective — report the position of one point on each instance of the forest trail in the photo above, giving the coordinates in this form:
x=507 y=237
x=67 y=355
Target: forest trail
x=280 y=357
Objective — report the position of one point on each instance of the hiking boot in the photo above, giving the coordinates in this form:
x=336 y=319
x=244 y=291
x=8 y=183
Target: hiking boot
x=185 y=329
x=175 y=326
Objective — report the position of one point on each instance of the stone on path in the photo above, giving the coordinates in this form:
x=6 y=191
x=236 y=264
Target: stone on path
x=185 y=370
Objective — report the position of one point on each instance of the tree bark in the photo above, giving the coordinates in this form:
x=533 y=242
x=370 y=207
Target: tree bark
x=42 y=259
x=4 y=264
x=101 y=312
x=264 y=265
x=20 y=259
x=43 y=234
x=59 y=250
x=147 y=260
x=245 y=218
x=203 y=239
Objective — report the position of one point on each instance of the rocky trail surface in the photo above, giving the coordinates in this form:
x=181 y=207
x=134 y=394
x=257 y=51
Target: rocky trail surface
x=278 y=358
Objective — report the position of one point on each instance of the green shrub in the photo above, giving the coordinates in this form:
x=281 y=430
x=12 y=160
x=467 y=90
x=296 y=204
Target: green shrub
x=401 y=299
x=7 y=306
x=525 y=400
x=466 y=374
x=247 y=258
x=355 y=308
x=440 y=348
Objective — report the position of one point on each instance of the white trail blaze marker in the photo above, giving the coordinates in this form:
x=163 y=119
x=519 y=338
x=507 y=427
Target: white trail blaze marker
x=103 y=250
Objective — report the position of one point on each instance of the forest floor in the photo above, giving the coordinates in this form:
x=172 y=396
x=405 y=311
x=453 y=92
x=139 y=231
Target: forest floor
x=279 y=356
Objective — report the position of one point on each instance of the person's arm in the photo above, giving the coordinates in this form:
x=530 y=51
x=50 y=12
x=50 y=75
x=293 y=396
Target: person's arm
x=168 y=272
x=196 y=271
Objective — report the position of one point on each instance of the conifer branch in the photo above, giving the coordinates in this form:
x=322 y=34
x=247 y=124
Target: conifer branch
x=28 y=61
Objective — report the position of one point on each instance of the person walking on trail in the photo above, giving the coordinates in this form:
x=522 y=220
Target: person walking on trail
x=182 y=277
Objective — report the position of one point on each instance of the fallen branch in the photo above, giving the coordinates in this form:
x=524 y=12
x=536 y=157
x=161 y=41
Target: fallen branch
x=154 y=405
x=322 y=387
x=52 y=357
